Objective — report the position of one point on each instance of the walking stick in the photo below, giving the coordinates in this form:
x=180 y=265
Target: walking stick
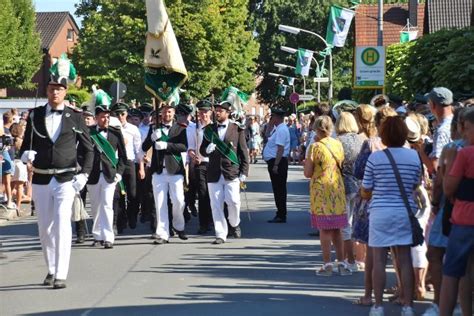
x=243 y=187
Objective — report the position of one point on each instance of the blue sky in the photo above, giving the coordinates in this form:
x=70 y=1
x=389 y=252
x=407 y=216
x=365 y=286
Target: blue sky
x=57 y=5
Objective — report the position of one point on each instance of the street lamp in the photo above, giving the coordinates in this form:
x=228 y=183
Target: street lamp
x=296 y=30
x=292 y=50
x=283 y=66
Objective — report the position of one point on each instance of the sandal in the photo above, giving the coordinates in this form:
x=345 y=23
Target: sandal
x=325 y=270
x=363 y=301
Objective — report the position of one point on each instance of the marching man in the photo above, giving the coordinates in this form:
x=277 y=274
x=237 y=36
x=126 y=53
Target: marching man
x=55 y=136
x=110 y=159
x=224 y=143
x=168 y=140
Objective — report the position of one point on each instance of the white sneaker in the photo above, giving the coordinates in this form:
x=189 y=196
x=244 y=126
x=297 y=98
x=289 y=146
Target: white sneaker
x=376 y=311
x=433 y=310
x=408 y=311
x=457 y=310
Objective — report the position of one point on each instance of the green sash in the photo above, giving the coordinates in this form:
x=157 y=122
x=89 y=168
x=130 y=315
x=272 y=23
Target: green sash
x=105 y=147
x=165 y=138
x=225 y=149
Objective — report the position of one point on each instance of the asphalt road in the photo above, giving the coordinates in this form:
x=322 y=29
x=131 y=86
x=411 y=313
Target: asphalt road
x=270 y=271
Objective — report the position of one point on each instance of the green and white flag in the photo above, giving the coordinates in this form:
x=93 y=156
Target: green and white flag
x=235 y=97
x=164 y=66
x=303 y=61
x=338 y=25
x=408 y=36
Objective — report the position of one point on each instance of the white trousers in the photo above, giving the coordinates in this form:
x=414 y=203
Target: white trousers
x=228 y=192
x=163 y=184
x=53 y=204
x=102 y=200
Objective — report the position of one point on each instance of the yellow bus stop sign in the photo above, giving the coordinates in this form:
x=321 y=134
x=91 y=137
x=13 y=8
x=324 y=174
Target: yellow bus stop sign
x=370 y=56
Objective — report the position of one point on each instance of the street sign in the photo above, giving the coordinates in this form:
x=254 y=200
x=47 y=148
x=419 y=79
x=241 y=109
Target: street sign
x=117 y=90
x=369 y=68
x=294 y=97
x=322 y=79
x=306 y=97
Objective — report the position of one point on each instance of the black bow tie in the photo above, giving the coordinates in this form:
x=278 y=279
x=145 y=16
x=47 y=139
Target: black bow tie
x=221 y=125
x=57 y=111
x=103 y=129
x=166 y=126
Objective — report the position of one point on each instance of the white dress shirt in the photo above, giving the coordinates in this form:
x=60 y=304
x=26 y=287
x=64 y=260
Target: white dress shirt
x=194 y=143
x=53 y=122
x=133 y=142
x=279 y=136
x=221 y=130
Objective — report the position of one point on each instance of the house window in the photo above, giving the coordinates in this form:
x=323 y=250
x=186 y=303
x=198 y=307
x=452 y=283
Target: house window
x=70 y=35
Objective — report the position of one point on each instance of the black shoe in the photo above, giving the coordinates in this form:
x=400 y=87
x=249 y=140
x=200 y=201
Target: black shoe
x=160 y=241
x=108 y=245
x=182 y=235
x=218 y=241
x=237 y=232
x=278 y=220
x=97 y=243
x=80 y=239
x=59 y=284
x=48 y=280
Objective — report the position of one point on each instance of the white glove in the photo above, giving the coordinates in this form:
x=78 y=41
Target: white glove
x=155 y=135
x=28 y=156
x=79 y=181
x=210 y=148
x=161 y=145
x=117 y=178
x=242 y=178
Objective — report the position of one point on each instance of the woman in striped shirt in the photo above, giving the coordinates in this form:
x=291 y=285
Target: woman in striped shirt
x=389 y=221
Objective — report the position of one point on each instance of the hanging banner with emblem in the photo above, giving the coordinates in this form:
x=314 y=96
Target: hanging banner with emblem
x=369 y=67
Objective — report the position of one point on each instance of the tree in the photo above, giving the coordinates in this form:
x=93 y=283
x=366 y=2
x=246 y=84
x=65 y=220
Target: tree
x=439 y=59
x=308 y=14
x=217 y=49
x=20 y=55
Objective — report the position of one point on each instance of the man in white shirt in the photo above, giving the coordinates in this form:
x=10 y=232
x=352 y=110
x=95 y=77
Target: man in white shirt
x=276 y=153
x=134 y=167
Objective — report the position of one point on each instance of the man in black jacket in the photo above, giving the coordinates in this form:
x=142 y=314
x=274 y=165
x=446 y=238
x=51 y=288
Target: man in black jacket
x=224 y=143
x=110 y=158
x=169 y=142
x=55 y=135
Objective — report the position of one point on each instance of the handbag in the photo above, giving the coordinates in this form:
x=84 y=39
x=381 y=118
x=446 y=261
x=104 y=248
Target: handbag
x=416 y=230
x=79 y=212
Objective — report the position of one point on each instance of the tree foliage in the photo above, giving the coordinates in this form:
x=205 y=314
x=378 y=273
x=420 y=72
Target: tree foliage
x=217 y=49
x=307 y=14
x=20 y=55
x=443 y=58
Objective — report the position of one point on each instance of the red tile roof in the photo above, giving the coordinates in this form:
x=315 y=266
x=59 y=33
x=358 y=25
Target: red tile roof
x=395 y=18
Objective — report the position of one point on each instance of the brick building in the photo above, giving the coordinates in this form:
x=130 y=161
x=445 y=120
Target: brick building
x=59 y=34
